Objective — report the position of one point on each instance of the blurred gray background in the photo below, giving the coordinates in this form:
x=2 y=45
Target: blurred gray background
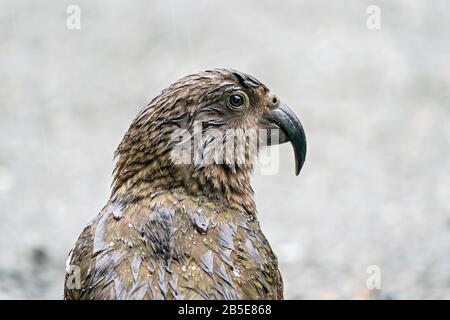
x=375 y=105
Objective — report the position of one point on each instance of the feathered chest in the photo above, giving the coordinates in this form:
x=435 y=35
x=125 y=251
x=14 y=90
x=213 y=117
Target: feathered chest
x=174 y=246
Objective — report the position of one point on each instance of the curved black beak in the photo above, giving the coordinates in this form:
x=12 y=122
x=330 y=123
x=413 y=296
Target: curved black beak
x=291 y=129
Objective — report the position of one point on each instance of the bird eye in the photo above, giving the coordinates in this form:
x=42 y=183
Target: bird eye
x=237 y=100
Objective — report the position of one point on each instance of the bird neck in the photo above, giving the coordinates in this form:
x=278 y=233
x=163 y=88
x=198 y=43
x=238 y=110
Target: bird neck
x=144 y=165
x=229 y=186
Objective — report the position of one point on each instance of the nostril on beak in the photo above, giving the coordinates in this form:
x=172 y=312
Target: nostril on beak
x=273 y=101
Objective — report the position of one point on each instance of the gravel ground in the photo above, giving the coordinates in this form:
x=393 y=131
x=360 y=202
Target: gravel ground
x=375 y=104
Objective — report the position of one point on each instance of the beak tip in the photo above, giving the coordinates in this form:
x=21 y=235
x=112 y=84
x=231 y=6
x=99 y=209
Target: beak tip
x=300 y=153
x=298 y=167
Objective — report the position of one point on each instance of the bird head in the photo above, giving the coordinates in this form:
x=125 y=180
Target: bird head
x=203 y=132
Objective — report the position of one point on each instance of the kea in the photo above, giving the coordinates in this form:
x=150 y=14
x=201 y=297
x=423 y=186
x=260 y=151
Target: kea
x=181 y=221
